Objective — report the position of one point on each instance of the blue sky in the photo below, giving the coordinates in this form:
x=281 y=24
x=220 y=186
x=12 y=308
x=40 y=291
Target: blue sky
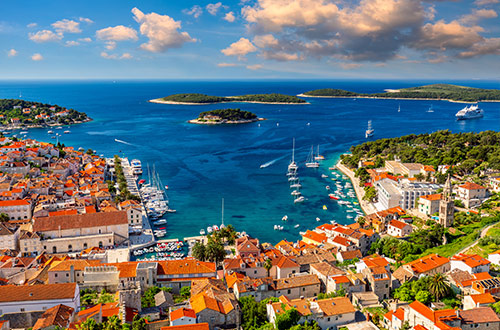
x=250 y=39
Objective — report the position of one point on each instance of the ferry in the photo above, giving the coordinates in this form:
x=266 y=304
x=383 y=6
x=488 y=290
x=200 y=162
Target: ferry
x=470 y=112
x=136 y=166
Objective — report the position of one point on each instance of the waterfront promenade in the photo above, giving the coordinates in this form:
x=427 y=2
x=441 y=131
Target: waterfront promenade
x=367 y=207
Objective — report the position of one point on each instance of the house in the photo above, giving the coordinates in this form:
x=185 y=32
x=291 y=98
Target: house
x=182 y=316
x=8 y=237
x=494 y=258
x=77 y=232
x=429 y=204
x=328 y=313
x=213 y=304
x=379 y=220
x=428 y=265
x=379 y=279
x=489 y=285
x=134 y=212
x=164 y=300
x=18 y=209
x=41 y=297
x=348 y=255
x=197 y=326
x=472 y=263
x=471 y=194
x=398 y=228
x=326 y=272
x=314 y=238
x=285 y=267
x=394 y=320
x=57 y=316
x=478 y=300
x=297 y=286
x=259 y=288
x=247 y=247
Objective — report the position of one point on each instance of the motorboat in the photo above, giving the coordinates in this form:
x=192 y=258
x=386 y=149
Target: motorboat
x=299 y=199
x=202 y=232
x=285 y=218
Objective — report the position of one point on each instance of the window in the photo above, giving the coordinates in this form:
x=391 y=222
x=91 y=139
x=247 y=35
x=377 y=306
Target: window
x=54 y=249
x=67 y=274
x=289 y=291
x=303 y=289
x=55 y=275
x=84 y=246
x=70 y=248
x=22 y=309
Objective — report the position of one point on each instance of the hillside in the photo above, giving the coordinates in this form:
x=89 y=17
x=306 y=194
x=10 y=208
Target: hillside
x=434 y=91
x=225 y=116
x=196 y=98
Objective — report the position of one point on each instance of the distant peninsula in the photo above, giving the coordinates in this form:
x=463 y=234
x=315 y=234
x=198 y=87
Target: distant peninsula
x=225 y=116
x=453 y=93
x=200 y=99
x=19 y=113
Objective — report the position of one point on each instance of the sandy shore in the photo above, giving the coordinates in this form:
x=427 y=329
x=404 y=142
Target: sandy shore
x=392 y=98
x=196 y=121
x=235 y=101
x=367 y=207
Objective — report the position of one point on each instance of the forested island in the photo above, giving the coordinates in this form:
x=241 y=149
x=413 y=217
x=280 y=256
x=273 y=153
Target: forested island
x=20 y=113
x=225 y=116
x=196 y=98
x=429 y=92
x=466 y=152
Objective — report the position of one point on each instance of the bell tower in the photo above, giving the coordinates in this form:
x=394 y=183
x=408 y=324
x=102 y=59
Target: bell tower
x=446 y=205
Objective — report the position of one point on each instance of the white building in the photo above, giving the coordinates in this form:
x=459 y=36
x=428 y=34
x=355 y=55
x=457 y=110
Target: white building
x=471 y=263
x=388 y=193
x=404 y=193
x=40 y=297
x=494 y=258
x=398 y=228
x=182 y=316
x=472 y=194
x=18 y=209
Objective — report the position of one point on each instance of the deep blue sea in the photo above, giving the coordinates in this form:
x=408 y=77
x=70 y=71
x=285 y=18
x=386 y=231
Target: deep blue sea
x=203 y=164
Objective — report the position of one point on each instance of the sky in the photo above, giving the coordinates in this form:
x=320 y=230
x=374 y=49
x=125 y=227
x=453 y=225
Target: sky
x=250 y=39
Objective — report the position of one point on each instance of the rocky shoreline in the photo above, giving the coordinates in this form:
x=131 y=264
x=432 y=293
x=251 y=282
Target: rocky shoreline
x=223 y=122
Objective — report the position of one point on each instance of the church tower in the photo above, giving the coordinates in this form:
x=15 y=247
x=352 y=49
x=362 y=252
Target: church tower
x=446 y=205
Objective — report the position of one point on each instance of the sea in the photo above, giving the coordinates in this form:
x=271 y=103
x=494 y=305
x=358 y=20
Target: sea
x=204 y=164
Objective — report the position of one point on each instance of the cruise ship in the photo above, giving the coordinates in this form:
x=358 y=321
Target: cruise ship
x=136 y=166
x=470 y=112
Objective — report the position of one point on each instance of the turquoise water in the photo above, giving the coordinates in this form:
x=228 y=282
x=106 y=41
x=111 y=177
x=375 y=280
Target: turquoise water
x=202 y=164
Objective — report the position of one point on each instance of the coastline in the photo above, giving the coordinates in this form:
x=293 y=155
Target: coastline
x=160 y=101
x=197 y=122
x=13 y=127
x=393 y=98
x=367 y=207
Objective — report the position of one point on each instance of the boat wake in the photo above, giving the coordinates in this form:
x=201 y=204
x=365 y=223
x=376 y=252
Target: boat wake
x=124 y=142
x=269 y=163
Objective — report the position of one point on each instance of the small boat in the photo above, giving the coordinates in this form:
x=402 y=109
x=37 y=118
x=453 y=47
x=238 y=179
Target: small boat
x=285 y=218
x=209 y=229
x=215 y=227
x=332 y=196
x=292 y=167
x=202 y=232
x=430 y=109
x=332 y=168
x=369 y=131
x=308 y=124
x=295 y=185
x=142 y=181
x=318 y=219
x=277 y=124
x=327 y=187
x=23 y=132
x=67 y=132
x=299 y=199
x=50 y=132
x=324 y=207
x=160 y=222
x=166 y=187
x=324 y=176
x=295 y=193
x=310 y=160
x=296 y=226
x=293 y=178
x=58 y=127
x=399 y=107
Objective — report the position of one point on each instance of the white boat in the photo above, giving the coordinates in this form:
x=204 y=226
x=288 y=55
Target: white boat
x=369 y=131
x=136 y=166
x=23 y=132
x=160 y=222
x=67 y=132
x=285 y=218
x=209 y=229
x=310 y=160
x=318 y=219
x=399 y=107
x=50 y=132
x=299 y=199
x=430 y=109
x=470 y=112
x=296 y=226
x=324 y=176
x=293 y=178
x=295 y=193
x=202 y=232
x=292 y=167
x=58 y=127
x=295 y=185
x=318 y=156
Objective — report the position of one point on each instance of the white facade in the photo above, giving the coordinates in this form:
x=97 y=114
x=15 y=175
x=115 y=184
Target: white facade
x=494 y=258
x=398 y=228
x=17 y=209
x=387 y=193
x=183 y=321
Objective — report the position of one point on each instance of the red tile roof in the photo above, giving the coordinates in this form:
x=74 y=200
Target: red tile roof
x=11 y=293
x=427 y=263
x=89 y=220
x=471 y=260
x=197 y=326
x=182 y=312
x=398 y=224
x=471 y=186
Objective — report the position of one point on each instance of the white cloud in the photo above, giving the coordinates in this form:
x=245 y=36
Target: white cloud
x=485 y=2
x=117 y=33
x=230 y=17
x=162 y=31
x=44 y=36
x=226 y=65
x=266 y=40
x=350 y=66
x=239 y=48
x=86 y=20
x=31 y=25
x=12 y=53
x=124 y=56
x=477 y=15
x=72 y=43
x=85 y=39
x=254 y=67
x=213 y=8
x=66 y=25
x=37 y=57
x=110 y=45
x=195 y=11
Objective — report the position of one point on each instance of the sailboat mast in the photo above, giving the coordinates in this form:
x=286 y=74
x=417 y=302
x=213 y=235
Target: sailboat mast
x=222 y=216
x=293 y=151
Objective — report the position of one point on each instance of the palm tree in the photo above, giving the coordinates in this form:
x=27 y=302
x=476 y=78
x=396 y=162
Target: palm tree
x=199 y=251
x=113 y=323
x=268 y=265
x=438 y=286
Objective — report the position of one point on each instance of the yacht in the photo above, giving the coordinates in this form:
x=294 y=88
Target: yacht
x=310 y=160
x=299 y=199
x=369 y=131
x=470 y=112
x=285 y=218
x=292 y=167
x=430 y=109
x=136 y=166
x=67 y=132
x=50 y=132
x=202 y=232
x=318 y=156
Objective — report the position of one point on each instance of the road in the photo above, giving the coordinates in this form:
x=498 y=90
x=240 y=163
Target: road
x=484 y=231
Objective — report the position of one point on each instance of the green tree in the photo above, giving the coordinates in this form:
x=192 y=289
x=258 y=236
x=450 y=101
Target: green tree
x=423 y=296
x=313 y=325
x=4 y=217
x=139 y=323
x=215 y=251
x=105 y=298
x=438 y=286
x=288 y=319
x=268 y=264
x=89 y=324
x=148 y=298
x=185 y=292
x=199 y=251
x=112 y=323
